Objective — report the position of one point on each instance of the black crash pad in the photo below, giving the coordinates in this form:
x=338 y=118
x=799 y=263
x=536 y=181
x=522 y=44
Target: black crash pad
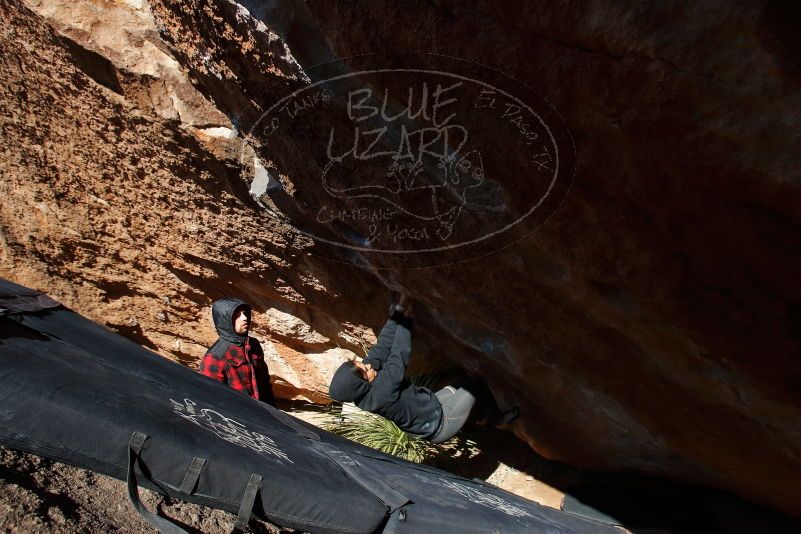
x=75 y=392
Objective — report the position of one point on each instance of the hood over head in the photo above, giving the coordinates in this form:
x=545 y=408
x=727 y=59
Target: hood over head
x=347 y=387
x=222 y=312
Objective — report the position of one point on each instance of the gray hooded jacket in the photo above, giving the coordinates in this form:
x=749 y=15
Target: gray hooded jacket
x=414 y=409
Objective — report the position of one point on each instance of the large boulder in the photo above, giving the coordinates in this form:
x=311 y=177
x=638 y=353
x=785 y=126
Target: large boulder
x=646 y=318
x=651 y=323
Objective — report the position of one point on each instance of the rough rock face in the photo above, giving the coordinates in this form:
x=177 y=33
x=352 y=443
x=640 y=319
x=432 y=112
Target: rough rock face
x=120 y=208
x=651 y=323
x=119 y=43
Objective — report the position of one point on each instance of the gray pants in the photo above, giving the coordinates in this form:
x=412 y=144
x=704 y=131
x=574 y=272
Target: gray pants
x=456 y=406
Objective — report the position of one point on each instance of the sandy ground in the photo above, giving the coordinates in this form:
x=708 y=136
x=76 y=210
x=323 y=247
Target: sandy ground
x=38 y=495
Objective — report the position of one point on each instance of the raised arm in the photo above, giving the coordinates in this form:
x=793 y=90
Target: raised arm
x=379 y=352
x=386 y=386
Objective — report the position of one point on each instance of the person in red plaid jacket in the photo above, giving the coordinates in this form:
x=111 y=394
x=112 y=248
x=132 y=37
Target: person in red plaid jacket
x=235 y=358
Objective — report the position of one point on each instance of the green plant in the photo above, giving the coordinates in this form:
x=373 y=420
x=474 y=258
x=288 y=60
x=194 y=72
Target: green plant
x=382 y=434
x=376 y=432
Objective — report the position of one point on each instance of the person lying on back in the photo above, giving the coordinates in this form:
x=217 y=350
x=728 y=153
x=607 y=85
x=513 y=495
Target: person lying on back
x=378 y=384
x=236 y=358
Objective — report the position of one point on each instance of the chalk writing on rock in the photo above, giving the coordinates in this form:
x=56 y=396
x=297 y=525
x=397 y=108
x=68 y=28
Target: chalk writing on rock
x=410 y=160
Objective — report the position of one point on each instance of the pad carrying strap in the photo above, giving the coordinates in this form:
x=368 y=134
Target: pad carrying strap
x=165 y=526
x=246 y=507
x=159 y=523
x=192 y=475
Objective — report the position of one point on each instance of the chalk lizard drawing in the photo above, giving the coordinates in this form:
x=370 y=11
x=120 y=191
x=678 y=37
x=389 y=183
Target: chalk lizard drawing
x=440 y=199
x=228 y=429
x=486 y=499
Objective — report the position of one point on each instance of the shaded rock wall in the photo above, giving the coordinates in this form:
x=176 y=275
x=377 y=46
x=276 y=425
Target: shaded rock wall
x=653 y=322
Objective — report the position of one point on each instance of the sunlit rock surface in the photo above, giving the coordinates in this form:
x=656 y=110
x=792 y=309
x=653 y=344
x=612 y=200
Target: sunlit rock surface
x=119 y=42
x=136 y=216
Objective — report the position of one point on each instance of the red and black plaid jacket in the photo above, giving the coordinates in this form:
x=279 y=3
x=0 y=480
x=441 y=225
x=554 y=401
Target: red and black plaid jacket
x=243 y=368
